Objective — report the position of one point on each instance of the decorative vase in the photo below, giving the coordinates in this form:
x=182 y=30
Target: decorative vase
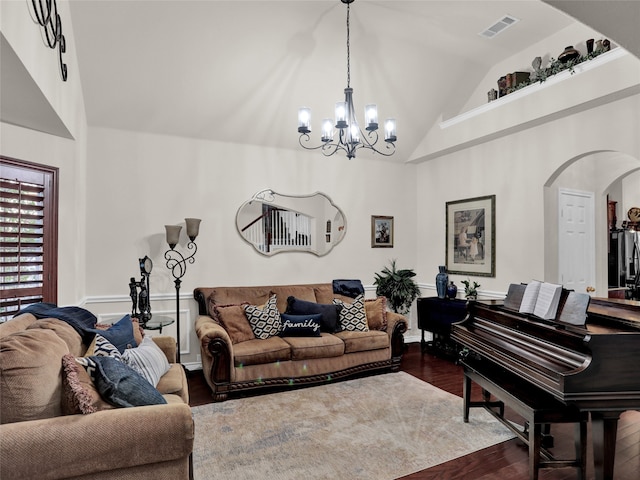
x=590 y=45
x=569 y=53
x=452 y=290
x=442 y=278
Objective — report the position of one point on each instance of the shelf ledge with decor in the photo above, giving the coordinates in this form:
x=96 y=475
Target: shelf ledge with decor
x=591 y=86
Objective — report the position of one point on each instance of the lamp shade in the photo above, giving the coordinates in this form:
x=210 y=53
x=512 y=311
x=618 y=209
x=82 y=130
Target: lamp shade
x=193 y=227
x=173 y=234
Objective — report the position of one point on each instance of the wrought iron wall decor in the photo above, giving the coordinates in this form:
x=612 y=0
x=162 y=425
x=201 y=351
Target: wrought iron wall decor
x=46 y=14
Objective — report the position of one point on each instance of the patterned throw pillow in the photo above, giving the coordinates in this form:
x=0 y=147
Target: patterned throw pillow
x=265 y=322
x=102 y=348
x=353 y=316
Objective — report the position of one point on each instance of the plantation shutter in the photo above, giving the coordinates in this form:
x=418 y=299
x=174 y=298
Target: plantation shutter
x=27 y=246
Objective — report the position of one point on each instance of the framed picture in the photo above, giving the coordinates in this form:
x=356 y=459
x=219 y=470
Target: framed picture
x=471 y=236
x=381 y=231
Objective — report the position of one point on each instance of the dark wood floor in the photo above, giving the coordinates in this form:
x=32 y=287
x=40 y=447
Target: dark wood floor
x=506 y=460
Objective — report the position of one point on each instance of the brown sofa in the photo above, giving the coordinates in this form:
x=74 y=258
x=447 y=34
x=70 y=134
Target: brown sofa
x=38 y=440
x=235 y=361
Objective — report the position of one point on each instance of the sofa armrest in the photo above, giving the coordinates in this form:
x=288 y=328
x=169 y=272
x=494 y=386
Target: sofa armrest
x=216 y=348
x=396 y=327
x=168 y=346
x=56 y=447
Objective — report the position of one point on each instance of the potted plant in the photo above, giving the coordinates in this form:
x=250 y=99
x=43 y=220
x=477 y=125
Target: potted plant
x=470 y=289
x=398 y=287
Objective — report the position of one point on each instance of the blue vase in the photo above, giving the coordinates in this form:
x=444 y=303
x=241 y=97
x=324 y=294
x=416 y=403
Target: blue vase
x=441 y=281
x=452 y=290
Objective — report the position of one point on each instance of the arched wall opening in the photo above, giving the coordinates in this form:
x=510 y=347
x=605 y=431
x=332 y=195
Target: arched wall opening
x=602 y=173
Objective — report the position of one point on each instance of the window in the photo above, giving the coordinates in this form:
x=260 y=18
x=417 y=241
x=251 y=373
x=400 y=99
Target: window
x=28 y=235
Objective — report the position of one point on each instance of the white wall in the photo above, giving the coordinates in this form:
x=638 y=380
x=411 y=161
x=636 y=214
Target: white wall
x=517 y=169
x=68 y=155
x=137 y=183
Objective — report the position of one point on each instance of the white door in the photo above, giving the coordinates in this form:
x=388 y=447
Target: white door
x=576 y=243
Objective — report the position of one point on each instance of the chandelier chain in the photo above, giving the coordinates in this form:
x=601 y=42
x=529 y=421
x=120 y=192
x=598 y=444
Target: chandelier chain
x=348 y=49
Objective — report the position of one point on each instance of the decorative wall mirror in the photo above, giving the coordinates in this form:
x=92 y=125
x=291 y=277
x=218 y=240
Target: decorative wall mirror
x=275 y=223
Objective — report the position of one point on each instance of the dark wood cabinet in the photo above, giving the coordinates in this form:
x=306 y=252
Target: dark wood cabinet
x=436 y=315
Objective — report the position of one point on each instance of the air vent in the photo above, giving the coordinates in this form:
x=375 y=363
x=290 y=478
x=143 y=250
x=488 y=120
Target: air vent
x=502 y=24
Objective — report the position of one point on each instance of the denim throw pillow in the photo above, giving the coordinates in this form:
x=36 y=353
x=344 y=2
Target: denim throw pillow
x=119 y=334
x=121 y=385
x=301 y=325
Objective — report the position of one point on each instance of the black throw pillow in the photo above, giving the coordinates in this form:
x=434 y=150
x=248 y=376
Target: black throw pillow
x=330 y=313
x=300 y=325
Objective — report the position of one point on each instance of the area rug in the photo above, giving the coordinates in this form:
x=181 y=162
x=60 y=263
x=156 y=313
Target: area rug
x=379 y=427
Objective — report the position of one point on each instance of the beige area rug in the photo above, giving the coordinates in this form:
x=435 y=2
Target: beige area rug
x=378 y=427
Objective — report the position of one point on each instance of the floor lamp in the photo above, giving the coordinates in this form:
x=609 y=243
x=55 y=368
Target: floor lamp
x=177 y=263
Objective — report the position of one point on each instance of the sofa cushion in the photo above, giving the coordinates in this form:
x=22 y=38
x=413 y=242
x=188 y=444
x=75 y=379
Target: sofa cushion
x=300 y=325
x=330 y=312
x=307 y=348
x=65 y=331
x=148 y=360
x=363 y=341
x=235 y=322
x=353 y=316
x=174 y=382
x=376 y=309
x=79 y=394
x=121 y=385
x=265 y=321
x=30 y=368
x=256 y=352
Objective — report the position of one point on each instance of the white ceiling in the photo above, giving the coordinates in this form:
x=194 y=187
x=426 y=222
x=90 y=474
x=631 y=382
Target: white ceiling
x=237 y=71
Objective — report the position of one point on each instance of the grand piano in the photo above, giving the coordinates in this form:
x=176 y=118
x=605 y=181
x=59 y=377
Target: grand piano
x=594 y=366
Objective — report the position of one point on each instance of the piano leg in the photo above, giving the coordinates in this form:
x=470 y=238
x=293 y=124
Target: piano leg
x=604 y=432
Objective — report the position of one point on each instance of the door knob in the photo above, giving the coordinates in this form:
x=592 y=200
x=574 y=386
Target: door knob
x=590 y=289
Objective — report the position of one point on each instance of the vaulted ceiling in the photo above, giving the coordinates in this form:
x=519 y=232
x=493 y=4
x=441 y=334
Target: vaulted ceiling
x=237 y=71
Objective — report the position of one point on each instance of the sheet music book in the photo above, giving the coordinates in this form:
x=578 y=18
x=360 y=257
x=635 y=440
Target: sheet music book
x=541 y=299
x=513 y=300
x=575 y=309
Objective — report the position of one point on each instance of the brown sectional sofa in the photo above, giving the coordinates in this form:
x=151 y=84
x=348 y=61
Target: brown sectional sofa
x=38 y=440
x=234 y=361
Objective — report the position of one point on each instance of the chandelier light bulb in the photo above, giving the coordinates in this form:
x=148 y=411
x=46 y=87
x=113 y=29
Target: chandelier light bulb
x=327 y=130
x=341 y=115
x=390 y=130
x=304 y=120
x=371 y=116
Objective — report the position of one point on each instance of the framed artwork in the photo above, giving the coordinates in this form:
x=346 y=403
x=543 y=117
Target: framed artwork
x=471 y=236
x=381 y=231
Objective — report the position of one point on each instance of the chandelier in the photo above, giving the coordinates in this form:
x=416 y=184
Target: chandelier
x=350 y=136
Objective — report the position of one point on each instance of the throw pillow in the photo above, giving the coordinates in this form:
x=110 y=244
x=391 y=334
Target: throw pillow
x=79 y=394
x=120 y=334
x=234 y=321
x=376 y=309
x=122 y=386
x=301 y=325
x=265 y=322
x=148 y=360
x=330 y=312
x=353 y=317
x=102 y=348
